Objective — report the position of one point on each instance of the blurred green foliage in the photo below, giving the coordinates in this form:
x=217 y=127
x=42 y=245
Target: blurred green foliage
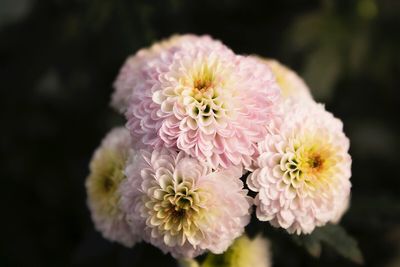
x=336 y=237
x=58 y=59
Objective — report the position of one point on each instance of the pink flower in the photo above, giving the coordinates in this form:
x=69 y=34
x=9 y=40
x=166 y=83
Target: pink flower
x=182 y=206
x=303 y=170
x=199 y=97
x=102 y=185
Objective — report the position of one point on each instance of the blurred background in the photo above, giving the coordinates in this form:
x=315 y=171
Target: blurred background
x=58 y=59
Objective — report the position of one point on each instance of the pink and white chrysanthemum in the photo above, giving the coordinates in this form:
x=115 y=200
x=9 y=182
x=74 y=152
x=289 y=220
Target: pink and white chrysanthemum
x=183 y=206
x=303 y=170
x=199 y=97
x=102 y=185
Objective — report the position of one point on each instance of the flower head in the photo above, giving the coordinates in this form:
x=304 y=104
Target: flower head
x=199 y=97
x=184 y=207
x=102 y=185
x=303 y=170
x=244 y=252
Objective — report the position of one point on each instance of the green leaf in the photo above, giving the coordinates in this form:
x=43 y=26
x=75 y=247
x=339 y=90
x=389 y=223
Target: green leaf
x=312 y=245
x=336 y=237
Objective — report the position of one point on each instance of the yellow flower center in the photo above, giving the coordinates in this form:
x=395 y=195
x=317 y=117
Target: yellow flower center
x=206 y=94
x=176 y=209
x=107 y=184
x=313 y=163
x=201 y=85
x=310 y=165
x=203 y=80
x=106 y=174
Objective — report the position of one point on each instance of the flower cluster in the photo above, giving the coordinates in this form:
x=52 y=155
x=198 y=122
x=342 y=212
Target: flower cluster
x=201 y=121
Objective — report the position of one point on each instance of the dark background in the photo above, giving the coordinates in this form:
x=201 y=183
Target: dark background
x=60 y=57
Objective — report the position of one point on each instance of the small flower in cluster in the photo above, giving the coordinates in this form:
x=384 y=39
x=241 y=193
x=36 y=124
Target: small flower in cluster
x=102 y=185
x=303 y=170
x=244 y=252
x=182 y=206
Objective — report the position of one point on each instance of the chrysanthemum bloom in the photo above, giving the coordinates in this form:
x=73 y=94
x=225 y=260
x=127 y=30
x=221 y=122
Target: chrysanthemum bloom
x=102 y=185
x=200 y=97
x=303 y=170
x=244 y=252
x=183 y=206
x=291 y=84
